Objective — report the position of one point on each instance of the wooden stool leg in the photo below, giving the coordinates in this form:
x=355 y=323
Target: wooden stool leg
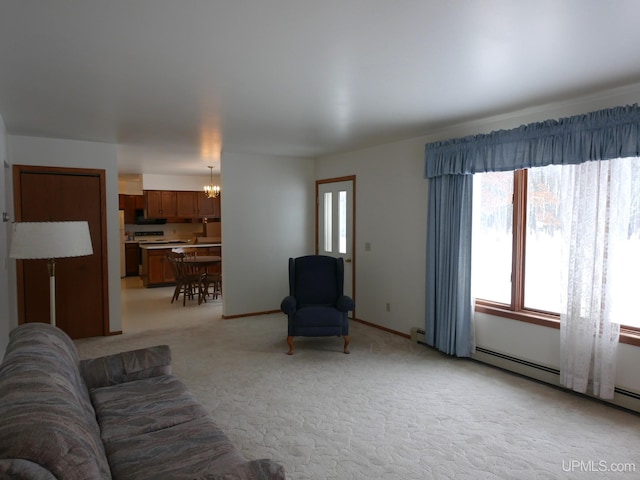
x=346 y=344
x=290 y=343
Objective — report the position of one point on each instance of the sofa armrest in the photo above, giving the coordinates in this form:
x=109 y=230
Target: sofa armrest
x=263 y=469
x=19 y=469
x=288 y=305
x=126 y=366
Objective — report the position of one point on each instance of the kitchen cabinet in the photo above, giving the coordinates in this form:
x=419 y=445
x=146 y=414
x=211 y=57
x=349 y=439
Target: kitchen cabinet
x=158 y=270
x=187 y=204
x=132 y=259
x=130 y=203
x=217 y=251
x=208 y=207
x=179 y=205
x=160 y=204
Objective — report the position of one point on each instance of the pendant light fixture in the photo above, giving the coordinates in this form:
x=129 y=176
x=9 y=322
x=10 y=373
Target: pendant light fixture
x=211 y=190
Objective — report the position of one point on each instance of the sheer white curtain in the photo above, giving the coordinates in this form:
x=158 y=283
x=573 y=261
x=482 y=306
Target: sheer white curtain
x=596 y=203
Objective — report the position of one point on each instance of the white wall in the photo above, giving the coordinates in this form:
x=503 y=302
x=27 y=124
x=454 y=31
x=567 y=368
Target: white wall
x=267 y=207
x=391 y=209
x=79 y=154
x=187 y=183
x=5 y=202
x=541 y=345
x=390 y=196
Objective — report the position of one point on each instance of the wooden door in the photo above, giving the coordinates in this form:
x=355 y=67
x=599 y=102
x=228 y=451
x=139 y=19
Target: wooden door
x=65 y=194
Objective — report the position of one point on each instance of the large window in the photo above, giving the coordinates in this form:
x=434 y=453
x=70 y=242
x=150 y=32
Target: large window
x=518 y=245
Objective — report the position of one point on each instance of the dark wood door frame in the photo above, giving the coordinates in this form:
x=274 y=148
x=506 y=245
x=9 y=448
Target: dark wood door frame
x=18 y=170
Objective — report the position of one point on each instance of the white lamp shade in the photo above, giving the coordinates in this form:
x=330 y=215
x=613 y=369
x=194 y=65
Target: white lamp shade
x=50 y=240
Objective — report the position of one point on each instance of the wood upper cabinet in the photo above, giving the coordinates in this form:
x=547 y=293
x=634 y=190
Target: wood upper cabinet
x=208 y=207
x=178 y=205
x=160 y=204
x=187 y=204
x=129 y=203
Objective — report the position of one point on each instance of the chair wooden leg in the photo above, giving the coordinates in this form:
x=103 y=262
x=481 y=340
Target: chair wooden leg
x=290 y=343
x=176 y=292
x=185 y=292
x=346 y=344
x=203 y=290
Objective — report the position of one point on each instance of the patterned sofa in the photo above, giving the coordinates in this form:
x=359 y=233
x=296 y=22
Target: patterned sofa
x=122 y=416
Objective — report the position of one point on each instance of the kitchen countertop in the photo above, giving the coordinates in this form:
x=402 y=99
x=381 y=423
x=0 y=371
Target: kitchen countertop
x=159 y=246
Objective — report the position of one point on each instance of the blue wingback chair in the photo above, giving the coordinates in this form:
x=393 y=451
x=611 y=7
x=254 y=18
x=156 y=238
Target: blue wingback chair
x=316 y=305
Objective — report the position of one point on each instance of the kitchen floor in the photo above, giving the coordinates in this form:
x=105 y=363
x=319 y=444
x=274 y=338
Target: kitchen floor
x=151 y=308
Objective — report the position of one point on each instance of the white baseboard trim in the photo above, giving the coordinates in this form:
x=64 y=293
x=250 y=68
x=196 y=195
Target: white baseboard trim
x=623 y=398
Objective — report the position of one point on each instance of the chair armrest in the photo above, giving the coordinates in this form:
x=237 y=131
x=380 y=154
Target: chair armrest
x=288 y=305
x=126 y=366
x=345 y=303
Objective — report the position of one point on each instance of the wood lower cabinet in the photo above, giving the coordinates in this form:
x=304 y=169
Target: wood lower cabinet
x=156 y=269
x=132 y=259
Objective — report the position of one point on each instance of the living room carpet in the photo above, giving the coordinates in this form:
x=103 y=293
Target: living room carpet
x=392 y=409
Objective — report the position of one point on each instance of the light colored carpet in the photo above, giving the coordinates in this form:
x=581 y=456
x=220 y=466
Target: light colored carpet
x=390 y=410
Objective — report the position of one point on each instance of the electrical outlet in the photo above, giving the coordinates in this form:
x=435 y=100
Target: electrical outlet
x=388 y=307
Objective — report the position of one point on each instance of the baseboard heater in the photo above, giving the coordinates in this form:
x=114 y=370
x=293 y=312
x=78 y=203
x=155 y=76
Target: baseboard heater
x=543 y=373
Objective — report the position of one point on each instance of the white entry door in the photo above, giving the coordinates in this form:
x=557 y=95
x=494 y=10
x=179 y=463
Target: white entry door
x=335 y=226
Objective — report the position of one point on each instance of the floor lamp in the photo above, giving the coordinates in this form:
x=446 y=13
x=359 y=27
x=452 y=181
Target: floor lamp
x=50 y=240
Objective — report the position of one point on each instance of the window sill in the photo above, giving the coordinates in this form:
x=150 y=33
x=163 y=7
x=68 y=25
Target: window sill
x=628 y=335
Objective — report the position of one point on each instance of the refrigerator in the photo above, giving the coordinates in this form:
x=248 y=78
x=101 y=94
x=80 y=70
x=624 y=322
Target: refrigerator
x=123 y=263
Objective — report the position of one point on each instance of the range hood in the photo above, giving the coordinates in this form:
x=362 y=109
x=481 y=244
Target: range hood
x=141 y=220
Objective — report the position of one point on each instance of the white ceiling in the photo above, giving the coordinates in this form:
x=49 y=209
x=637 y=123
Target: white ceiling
x=175 y=81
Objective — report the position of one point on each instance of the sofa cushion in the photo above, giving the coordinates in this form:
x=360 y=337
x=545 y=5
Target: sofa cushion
x=143 y=406
x=45 y=413
x=187 y=450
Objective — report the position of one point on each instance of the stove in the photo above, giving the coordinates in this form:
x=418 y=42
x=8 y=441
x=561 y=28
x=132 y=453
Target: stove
x=149 y=237
x=145 y=238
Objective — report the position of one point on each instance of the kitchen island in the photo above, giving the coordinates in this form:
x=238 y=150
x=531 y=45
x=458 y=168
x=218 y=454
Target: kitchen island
x=156 y=270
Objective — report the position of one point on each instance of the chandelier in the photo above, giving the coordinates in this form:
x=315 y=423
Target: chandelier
x=211 y=190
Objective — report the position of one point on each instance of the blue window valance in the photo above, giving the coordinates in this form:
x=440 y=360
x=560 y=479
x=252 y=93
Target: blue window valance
x=600 y=135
